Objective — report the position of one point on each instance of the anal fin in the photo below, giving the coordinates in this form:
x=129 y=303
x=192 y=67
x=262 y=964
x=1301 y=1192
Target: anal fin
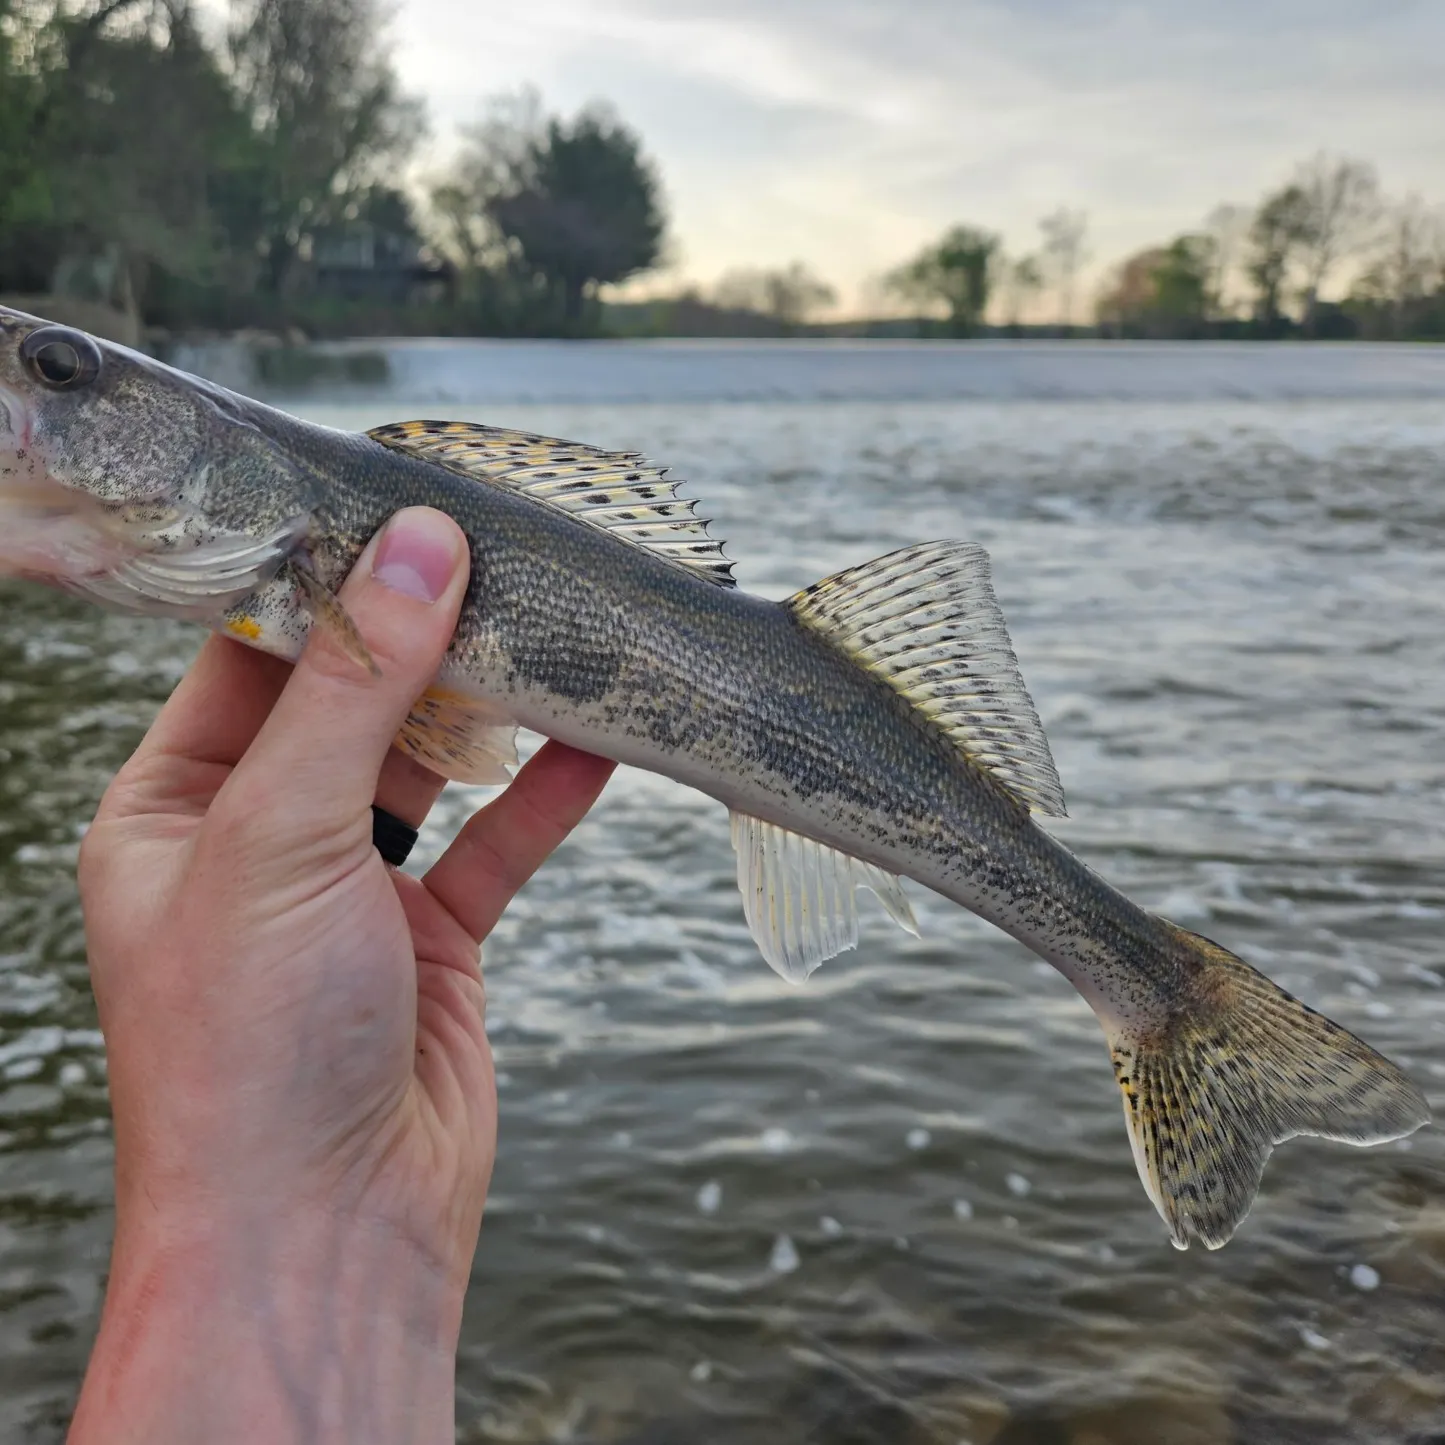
x=799 y=895
x=459 y=737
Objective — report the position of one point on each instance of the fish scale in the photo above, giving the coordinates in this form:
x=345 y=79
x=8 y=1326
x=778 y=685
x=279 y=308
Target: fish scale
x=873 y=727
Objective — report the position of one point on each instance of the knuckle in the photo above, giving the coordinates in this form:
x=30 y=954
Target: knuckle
x=496 y=863
x=546 y=824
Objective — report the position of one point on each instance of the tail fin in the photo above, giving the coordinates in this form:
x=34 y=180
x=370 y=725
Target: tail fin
x=1243 y=1067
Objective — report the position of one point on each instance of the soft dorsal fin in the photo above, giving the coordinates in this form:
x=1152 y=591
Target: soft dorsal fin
x=926 y=621
x=620 y=492
x=798 y=895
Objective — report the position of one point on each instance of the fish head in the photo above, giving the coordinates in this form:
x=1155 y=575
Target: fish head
x=135 y=484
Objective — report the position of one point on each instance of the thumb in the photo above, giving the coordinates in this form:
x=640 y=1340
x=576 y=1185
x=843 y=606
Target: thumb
x=312 y=770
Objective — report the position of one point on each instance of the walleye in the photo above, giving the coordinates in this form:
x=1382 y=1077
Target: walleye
x=873 y=726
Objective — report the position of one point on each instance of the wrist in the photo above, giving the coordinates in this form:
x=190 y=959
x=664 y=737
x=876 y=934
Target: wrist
x=307 y=1329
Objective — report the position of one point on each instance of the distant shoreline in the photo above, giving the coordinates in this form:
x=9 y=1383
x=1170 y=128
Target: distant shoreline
x=113 y=324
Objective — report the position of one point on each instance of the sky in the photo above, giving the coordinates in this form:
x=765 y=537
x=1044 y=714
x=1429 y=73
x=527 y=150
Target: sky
x=848 y=133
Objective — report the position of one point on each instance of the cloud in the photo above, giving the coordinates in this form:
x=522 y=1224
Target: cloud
x=848 y=132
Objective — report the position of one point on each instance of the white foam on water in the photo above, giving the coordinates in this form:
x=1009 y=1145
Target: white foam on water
x=784 y=1258
x=776 y=1140
x=1411 y=909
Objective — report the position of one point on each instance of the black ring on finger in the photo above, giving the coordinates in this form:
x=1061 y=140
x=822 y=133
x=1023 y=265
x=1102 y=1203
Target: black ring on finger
x=392 y=838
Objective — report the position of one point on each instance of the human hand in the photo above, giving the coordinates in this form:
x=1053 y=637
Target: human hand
x=303 y=1097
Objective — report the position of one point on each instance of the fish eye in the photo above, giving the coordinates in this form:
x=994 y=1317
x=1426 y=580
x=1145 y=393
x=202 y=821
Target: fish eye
x=60 y=358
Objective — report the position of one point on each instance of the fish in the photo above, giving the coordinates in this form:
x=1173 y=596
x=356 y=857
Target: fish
x=872 y=727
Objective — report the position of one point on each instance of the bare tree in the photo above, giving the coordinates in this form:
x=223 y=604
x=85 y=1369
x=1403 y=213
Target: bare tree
x=1410 y=264
x=1227 y=226
x=1064 y=253
x=494 y=160
x=789 y=294
x=1340 y=206
x=1021 y=281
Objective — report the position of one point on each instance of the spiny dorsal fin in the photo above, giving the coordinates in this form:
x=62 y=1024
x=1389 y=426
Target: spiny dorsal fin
x=620 y=492
x=798 y=895
x=926 y=621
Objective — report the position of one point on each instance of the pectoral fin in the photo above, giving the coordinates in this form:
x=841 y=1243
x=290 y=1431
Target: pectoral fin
x=326 y=611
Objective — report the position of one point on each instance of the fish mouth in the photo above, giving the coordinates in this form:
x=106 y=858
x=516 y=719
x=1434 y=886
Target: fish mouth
x=17 y=421
x=46 y=536
x=48 y=532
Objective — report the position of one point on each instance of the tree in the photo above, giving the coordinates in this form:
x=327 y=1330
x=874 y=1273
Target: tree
x=326 y=109
x=1163 y=291
x=27 y=60
x=955 y=273
x=1183 y=295
x=579 y=204
x=111 y=208
x=1275 y=237
x=1130 y=291
x=1064 y=253
x=788 y=294
x=1339 y=203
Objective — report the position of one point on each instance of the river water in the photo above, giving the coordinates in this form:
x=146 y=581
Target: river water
x=896 y=1207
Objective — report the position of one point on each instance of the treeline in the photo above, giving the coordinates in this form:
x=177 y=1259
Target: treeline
x=247 y=175
x=1266 y=270
x=1261 y=271
x=195 y=171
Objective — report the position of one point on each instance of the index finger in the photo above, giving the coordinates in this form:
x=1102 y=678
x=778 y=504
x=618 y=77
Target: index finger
x=219 y=705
